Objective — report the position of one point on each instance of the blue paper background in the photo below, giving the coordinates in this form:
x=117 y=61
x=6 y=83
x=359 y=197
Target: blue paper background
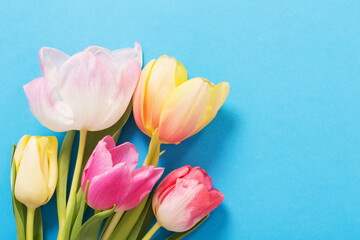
x=285 y=147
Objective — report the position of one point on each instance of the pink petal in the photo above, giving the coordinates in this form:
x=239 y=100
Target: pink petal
x=168 y=181
x=201 y=176
x=173 y=213
x=88 y=85
x=105 y=190
x=99 y=162
x=51 y=60
x=129 y=76
x=125 y=153
x=51 y=113
x=204 y=205
x=143 y=180
x=125 y=55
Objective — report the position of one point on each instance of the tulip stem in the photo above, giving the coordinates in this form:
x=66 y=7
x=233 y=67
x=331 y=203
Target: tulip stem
x=112 y=225
x=76 y=176
x=30 y=223
x=153 y=155
x=152 y=231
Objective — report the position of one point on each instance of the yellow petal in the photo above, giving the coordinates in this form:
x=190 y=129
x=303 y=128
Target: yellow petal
x=43 y=145
x=184 y=109
x=165 y=76
x=30 y=186
x=53 y=167
x=139 y=95
x=20 y=149
x=218 y=95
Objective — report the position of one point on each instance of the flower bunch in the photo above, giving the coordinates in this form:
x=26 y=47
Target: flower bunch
x=91 y=92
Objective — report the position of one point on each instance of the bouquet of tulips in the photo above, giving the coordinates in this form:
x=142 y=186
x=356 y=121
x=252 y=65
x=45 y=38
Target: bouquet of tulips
x=94 y=92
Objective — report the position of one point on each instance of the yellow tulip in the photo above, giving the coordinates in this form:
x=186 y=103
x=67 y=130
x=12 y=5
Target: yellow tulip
x=168 y=104
x=35 y=160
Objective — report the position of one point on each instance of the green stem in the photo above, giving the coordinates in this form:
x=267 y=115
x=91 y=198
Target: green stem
x=76 y=177
x=97 y=211
x=112 y=225
x=152 y=231
x=30 y=223
x=154 y=151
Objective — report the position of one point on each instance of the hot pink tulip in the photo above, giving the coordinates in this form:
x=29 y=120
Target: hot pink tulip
x=113 y=178
x=87 y=91
x=184 y=197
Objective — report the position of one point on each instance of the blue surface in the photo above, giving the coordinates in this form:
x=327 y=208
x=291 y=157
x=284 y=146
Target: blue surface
x=285 y=147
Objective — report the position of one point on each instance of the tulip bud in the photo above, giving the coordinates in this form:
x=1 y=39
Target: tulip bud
x=184 y=197
x=178 y=108
x=35 y=160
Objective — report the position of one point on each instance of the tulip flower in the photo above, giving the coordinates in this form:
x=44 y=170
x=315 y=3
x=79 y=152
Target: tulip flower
x=113 y=179
x=169 y=108
x=183 y=198
x=88 y=91
x=35 y=160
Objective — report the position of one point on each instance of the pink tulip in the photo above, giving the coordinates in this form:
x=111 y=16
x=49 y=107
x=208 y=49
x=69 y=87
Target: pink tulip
x=184 y=197
x=87 y=91
x=113 y=178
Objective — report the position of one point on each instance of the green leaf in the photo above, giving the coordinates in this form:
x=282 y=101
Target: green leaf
x=181 y=235
x=90 y=229
x=63 y=170
x=93 y=138
x=38 y=227
x=18 y=208
x=71 y=217
x=128 y=221
x=78 y=221
x=144 y=221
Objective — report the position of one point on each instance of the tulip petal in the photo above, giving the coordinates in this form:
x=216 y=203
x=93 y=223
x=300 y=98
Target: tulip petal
x=125 y=153
x=30 y=186
x=129 y=77
x=51 y=113
x=142 y=181
x=183 y=110
x=203 y=204
x=109 y=188
x=166 y=75
x=173 y=213
x=20 y=149
x=53 y=167
x=51 y=60
x=218 y=96
x=125 y=55
x=167 y=182
x=201 y=176
x=139 y=94
x=99 y=162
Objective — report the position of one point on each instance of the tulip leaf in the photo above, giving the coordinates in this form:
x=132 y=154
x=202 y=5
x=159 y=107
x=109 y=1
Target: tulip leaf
x=79 y=217
x=128 y=221
x=144 y=221
x=181 y=235
x=18 y=208
x=63 y=170
x=71 y=217
x=93 y=138
x=90 y=229
x=38 y=227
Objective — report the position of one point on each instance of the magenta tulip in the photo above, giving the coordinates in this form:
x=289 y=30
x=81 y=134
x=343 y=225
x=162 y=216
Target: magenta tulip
x=113 y=178
x=184 y=197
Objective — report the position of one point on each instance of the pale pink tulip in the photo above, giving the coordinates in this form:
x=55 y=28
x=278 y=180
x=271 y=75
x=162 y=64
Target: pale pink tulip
x=184 y=197
x=87 y=91
x=113 y=178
